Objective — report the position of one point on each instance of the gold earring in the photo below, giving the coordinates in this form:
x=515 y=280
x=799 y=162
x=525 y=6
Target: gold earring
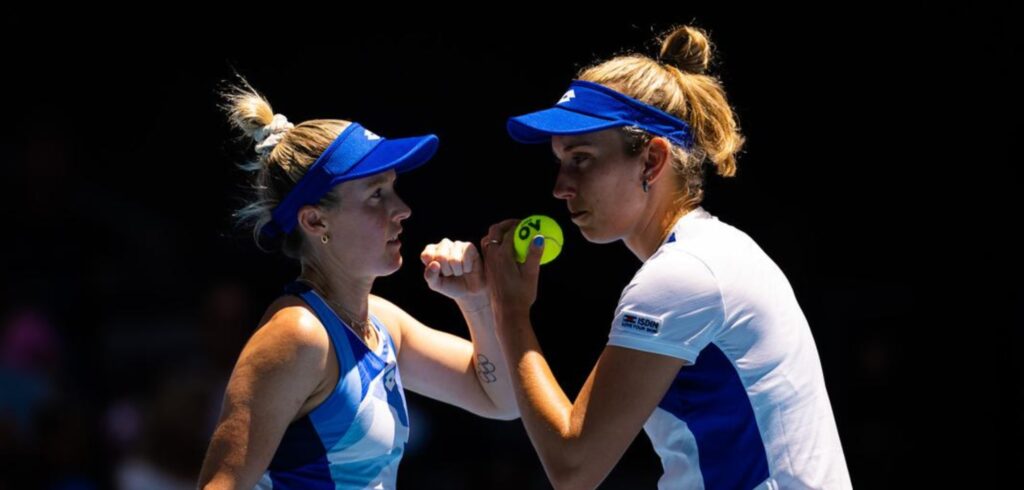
x=325 y=238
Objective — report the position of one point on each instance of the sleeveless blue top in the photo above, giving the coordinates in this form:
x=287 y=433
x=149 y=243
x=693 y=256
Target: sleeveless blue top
x=356 y=437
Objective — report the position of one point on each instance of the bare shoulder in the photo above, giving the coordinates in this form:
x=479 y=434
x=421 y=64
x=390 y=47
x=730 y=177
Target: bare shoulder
x=280 y=374
x=289 y=331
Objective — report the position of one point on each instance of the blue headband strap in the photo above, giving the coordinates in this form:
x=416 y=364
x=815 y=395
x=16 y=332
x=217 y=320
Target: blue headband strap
x=596 y=100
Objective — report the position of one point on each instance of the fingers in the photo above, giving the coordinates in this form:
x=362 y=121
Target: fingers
x=445 y=258
x=535 y=252
x=531 y=266
x=497 y=234
x=470 y=257
x=486 y=243
x=432 y=274
x=455 y=254
x=498 y=245
x=498 y=230
x=428 y=254
x=454 y=258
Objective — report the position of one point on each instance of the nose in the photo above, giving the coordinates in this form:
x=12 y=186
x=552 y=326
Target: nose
x=402 y=210
x=565 y=187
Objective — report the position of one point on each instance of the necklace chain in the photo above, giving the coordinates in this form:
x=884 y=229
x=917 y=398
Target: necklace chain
x=361 y=326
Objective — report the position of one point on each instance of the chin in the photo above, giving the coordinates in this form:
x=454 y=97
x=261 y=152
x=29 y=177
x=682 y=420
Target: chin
x=594 y=236
x=392 y=267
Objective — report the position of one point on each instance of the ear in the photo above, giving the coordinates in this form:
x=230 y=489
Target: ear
x=312 y=221
x=657 y=159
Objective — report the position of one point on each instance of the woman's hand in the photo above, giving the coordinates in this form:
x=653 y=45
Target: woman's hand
x=456 y=270
x=512 y=285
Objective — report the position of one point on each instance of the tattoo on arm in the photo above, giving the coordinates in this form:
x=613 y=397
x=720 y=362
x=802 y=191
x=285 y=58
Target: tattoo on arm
x=485 y=369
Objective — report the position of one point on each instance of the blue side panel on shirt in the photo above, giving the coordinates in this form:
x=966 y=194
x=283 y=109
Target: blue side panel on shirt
x=709 y=396
x=316 y=477
x=301 y=459
x=367 y=362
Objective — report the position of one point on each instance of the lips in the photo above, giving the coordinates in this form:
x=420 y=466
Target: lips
x=577 y=214
x=394 y=238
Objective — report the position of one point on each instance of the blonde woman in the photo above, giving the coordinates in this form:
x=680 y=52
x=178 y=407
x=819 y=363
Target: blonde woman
x=709 y=351
x=316 y=396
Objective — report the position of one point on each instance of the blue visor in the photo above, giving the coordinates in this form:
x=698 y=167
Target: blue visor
x=588 y=107
x=357 y=152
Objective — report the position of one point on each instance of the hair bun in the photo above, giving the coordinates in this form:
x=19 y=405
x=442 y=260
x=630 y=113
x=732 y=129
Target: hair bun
x=687 y=48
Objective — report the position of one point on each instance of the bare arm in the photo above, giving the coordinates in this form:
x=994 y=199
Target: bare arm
x=468 y=374
x=578 y=442
x=281 y=366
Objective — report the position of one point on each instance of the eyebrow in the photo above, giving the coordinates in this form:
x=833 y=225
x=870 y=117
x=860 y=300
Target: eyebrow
x=378 y=180
x=569 y=148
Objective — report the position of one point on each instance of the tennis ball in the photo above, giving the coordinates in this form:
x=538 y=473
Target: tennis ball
x=532 y=226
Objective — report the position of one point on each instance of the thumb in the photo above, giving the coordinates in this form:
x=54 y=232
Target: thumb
x=534 y=254
x=432 y=273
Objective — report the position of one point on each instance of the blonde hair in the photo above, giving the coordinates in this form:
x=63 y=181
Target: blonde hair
x=679 y=85
x=278 y=169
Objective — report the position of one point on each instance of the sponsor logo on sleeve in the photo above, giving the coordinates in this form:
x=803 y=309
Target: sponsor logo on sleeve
x=640 y=323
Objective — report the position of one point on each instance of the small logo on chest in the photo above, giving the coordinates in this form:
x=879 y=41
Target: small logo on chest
x=389 y=376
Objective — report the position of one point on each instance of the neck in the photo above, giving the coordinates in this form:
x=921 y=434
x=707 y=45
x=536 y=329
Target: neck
x=658 y=219
x=341 y=290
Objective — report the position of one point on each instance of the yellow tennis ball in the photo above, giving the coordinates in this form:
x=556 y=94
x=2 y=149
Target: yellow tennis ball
x=532 y=226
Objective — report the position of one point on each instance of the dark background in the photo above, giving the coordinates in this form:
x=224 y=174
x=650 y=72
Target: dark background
x=877 y=174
